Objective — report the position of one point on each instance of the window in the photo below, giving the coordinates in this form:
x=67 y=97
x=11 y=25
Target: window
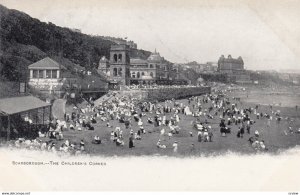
x=151 y=74
x=165 y=68
x=54 y=73
x=48 y=74
x=151 y=65
x=143 y=73
x=115 y=58
x=138 y=75
x=120 y=58
x=41 y=74
x=133 y=74
x=157 y=66
x=35 y=74
x=115 y=72
x=120 y=72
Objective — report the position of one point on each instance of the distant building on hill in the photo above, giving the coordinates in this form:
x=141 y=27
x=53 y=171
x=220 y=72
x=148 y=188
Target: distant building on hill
x=234 y=69
x=193 y=65
x=131 y=44
x=75 y=30
x=120 y=41
x=209 y=67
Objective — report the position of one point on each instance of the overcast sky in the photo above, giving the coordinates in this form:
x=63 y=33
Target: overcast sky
x=266 y=33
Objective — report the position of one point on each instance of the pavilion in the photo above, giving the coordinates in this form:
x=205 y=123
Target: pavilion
x=16 y=111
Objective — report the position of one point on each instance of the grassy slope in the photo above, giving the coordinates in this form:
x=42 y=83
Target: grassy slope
x=8 y=89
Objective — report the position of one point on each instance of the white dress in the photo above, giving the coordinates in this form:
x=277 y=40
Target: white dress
x=175 y=146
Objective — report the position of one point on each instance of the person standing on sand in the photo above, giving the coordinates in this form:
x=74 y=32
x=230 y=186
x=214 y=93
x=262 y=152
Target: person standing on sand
x=248 y=127
x=131 y=142
x=175 y=147
x=82 y=145
x=241 y=130
x=256 y=133
x=210 y=136
x=269 y=122
x=192 y=148
x=199 y=136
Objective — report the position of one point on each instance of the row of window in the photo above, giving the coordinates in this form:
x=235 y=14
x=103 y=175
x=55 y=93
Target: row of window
x=48 y=74
x=152 y=66
x=162 y=67
x=119 y=58
x=118 y=72
x=139 y=74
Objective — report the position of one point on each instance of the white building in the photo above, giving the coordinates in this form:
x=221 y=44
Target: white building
x=45 y=75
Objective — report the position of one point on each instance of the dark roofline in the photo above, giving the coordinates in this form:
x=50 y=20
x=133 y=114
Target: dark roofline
x=14 y=105
x=46 y=59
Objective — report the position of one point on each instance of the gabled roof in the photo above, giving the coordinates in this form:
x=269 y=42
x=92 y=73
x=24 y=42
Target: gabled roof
x=46 y=63
x=15 y=105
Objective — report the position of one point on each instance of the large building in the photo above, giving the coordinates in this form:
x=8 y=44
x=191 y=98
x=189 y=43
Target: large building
x=230 y=65
x=142 y=72
x=152 y=70
x=155 y=69
x=234 y=69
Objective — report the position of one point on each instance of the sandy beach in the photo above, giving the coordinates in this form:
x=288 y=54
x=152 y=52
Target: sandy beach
x=277 y=137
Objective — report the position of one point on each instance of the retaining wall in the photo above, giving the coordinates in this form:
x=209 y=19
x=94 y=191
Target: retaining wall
x=166 y=93
x=176 y=93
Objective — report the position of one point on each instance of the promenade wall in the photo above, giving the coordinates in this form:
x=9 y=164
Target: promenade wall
x=161 y=94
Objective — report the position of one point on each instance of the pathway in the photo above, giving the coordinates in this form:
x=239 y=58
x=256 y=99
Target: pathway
x=59 y=108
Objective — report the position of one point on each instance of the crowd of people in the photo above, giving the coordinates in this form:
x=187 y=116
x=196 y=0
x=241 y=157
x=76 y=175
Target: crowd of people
x=50 y=145
x=163 y=119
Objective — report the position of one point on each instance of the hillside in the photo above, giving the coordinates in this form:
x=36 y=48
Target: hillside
x=25 y=40
x=9 y=89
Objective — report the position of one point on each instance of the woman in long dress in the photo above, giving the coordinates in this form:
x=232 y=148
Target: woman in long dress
x=131 y=142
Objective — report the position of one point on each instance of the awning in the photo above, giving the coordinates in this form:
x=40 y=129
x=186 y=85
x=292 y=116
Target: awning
x=14 y=105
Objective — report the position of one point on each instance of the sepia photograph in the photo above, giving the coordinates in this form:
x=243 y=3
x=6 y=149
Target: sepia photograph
x=149 y=95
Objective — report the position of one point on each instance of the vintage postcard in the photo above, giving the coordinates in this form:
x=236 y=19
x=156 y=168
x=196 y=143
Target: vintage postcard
x=149 y=95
